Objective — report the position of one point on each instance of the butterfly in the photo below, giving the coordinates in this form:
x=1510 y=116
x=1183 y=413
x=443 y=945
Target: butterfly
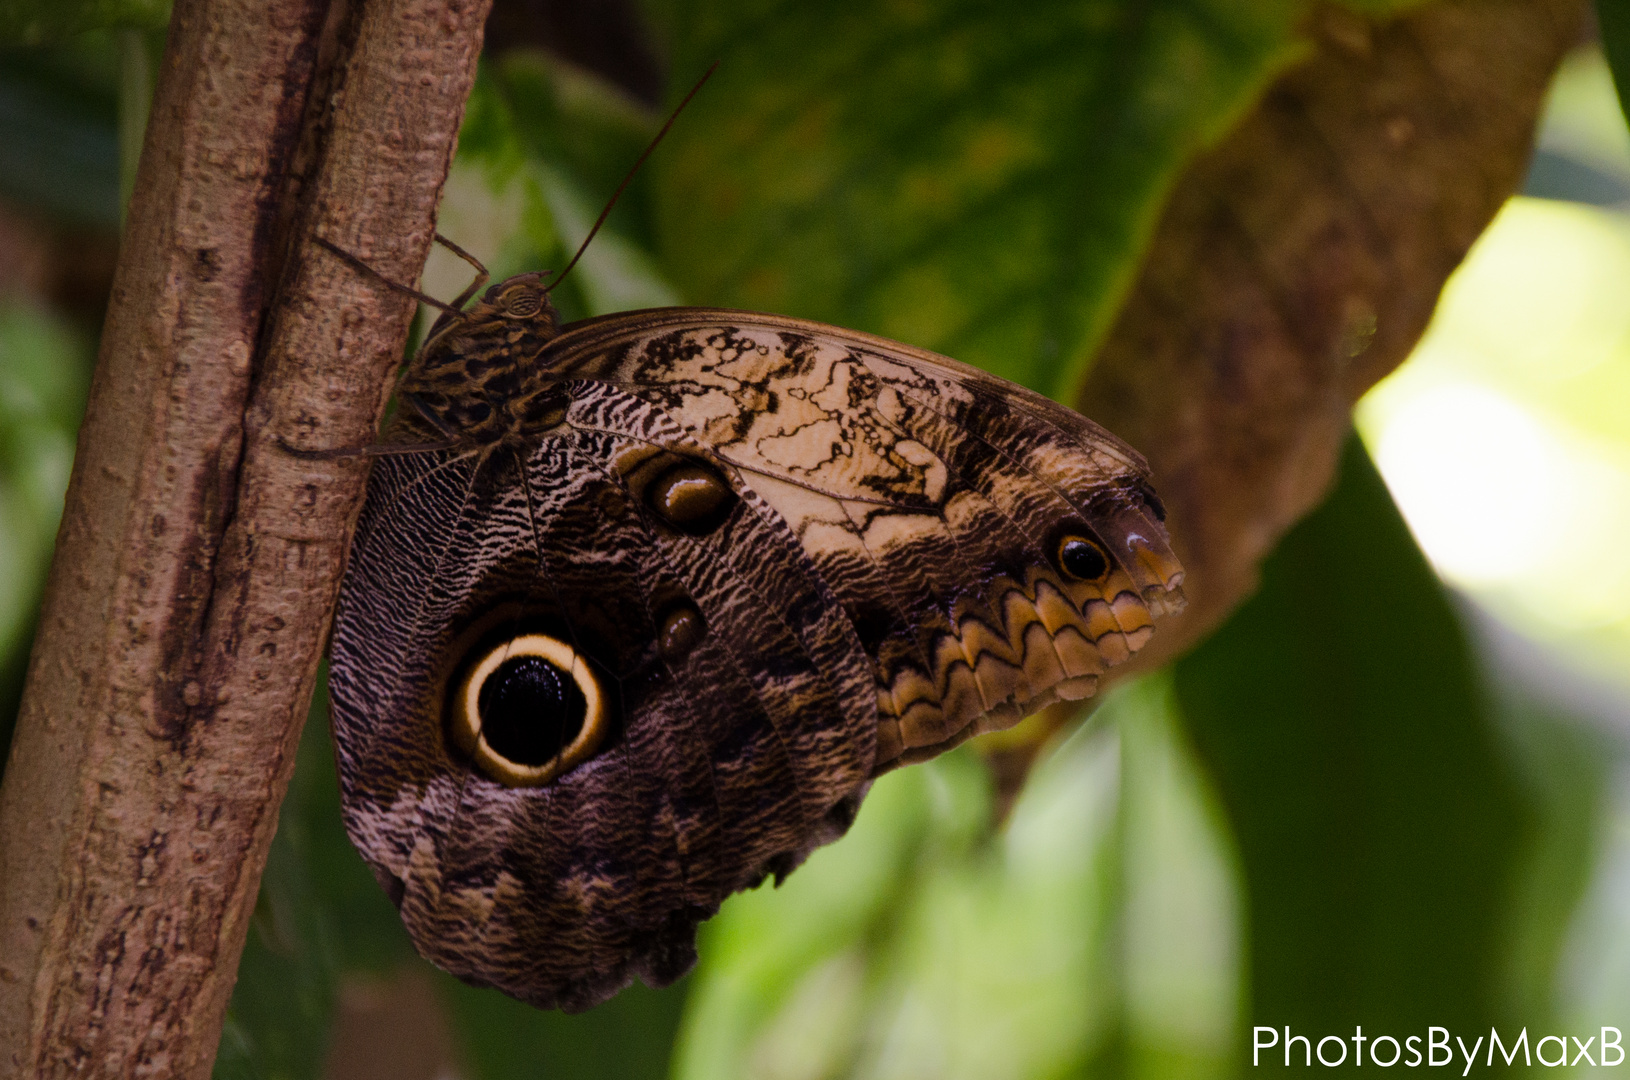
x=637 y=608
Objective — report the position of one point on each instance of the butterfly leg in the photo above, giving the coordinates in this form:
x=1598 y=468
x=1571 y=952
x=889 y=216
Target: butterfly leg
x=370 y=451
x=450 y=439
x=357 y=264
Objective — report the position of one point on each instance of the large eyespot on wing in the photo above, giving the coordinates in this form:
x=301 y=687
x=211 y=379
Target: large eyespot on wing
x=730 y=755
x=528 y=708
x=560 y=889
x=448 y=858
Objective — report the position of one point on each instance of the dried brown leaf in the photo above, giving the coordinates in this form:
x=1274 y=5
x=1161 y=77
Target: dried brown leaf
x=1296 y=264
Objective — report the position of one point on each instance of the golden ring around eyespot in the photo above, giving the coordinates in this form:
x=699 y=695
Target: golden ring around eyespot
x=466 y=720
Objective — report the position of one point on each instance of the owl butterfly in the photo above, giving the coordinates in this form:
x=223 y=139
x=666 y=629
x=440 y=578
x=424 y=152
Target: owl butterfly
x=638 y=607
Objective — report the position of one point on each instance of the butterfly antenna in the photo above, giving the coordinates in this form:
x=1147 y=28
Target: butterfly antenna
x=601 y=220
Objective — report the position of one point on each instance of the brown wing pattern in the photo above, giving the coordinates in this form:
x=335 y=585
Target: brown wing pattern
x=790 y=557
x=931 y=497
x=732 y=761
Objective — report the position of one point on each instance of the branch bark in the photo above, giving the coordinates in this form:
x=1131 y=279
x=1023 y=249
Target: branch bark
x=197 y=564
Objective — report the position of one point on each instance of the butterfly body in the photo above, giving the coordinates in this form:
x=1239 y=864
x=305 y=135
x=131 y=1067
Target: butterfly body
x=478 y=378
x=670 y=588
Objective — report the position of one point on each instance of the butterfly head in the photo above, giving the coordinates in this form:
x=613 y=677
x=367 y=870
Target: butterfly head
x=509 y=314
x=515 y=310
x=523 y=298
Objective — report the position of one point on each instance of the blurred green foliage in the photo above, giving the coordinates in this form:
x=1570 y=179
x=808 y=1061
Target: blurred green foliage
x=1321 y=817
x=40 y=22
x=1094 y=934
x=45 y=366
x=1613 y=16
x=59 y=111
x=1368 y=791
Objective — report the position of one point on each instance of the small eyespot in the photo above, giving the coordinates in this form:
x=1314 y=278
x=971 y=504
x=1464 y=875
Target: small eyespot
x=682 y=629
x=528 y=710
x=691 y=497
x=612 y=504
x=1082 y=558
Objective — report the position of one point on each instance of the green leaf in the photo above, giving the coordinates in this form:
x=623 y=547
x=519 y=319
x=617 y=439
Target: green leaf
x=964 y=176
x=758 y=950
x=581 y=125
x=1181 y=903
x=1564 y=766
x=1378 y=821
x=551 y=145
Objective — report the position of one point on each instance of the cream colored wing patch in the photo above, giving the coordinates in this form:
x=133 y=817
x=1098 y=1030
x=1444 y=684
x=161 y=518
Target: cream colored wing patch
x=993 y=550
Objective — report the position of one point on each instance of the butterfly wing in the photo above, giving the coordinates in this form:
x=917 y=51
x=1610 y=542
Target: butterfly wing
x=775 y=558
x=933 y=498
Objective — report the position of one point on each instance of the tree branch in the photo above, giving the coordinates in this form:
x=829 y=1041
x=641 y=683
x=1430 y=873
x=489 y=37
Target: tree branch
x=195 y=572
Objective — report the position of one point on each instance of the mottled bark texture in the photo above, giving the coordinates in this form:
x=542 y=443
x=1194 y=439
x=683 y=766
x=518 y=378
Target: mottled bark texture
x=1297 y=263
x=197 y=564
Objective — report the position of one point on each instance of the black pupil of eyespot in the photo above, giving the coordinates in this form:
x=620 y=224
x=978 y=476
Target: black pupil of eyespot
x=1082 y=558
x=530 y=710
